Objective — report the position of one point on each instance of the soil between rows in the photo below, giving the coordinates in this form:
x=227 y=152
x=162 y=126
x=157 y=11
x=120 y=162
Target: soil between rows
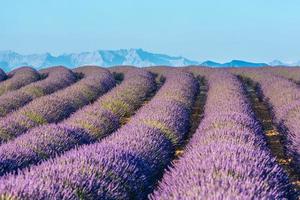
x=275 y=139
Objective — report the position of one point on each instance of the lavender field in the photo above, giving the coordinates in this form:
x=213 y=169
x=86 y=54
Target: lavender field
x=158 y=133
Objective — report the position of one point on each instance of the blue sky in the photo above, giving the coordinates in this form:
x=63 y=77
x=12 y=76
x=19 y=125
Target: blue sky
x=220 y=30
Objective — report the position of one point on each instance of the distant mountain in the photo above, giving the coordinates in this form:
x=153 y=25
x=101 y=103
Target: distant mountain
x=233 y=63
x=138 y=57
x=240 y=63
x=210 y=63
x=279 y=63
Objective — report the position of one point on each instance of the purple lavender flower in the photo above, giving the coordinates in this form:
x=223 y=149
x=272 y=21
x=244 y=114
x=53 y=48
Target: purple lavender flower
x=284 y=97
x=19 y=78
x=57 y=106
x=123 y=166
x=87 y=125
x=227 y=158
x=57 y=78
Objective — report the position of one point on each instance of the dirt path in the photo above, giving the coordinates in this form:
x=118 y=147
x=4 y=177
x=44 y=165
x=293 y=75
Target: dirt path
x=275 y=139
x=159 y=82
x=197 y=115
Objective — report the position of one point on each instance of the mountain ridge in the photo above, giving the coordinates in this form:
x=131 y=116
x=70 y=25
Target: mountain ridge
x=138 y=57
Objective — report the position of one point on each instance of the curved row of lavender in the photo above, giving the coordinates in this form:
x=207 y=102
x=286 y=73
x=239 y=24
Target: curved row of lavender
x=87 y=125
x=3 y=75
x=19 y=78
x=57 y=78
x=292 y=73
x=227 y=158
x=57 y=106
x=284 y=97
x=122 y=166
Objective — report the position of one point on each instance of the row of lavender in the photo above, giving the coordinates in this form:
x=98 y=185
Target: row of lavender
x=17 y=79
x=123 y=166
x=284 y=97
x=227 y=158
x=57 y=106
x=87 y=125
x=57 y=78
x=292 y=73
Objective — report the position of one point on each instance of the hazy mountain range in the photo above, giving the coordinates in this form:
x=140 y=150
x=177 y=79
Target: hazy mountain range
x=137 y=57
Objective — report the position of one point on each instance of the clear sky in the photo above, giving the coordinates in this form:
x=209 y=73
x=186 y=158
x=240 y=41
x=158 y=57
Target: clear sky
x=220 y=30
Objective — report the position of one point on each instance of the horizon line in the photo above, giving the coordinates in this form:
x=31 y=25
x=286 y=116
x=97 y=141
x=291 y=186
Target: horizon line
x=166 y=54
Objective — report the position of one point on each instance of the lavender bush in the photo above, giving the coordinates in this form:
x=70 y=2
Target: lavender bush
x=87 y=125
x=284 y=97
x=19 y=78
x=57 y=78
x=292 y=73
x=57 y=106
x=122 y=166
x=227 y=158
